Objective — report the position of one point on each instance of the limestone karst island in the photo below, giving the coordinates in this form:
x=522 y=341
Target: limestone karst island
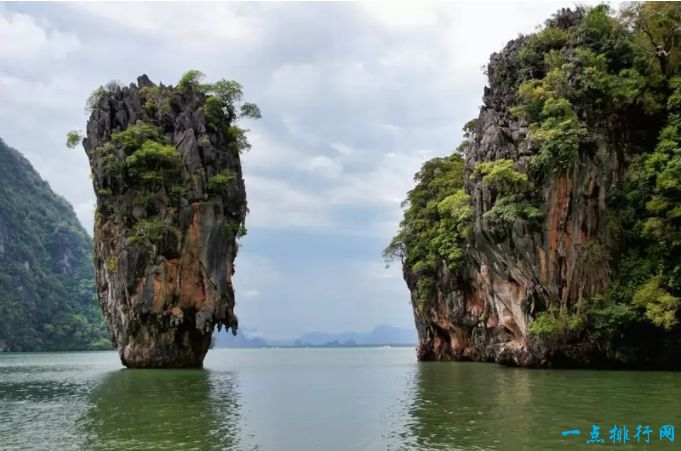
x=170 y=204
x=291 y=226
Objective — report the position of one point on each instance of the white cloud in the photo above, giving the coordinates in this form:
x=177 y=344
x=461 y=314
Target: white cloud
x=403 y=16
x=268 y=152
x=296 y=85
x=343 y=149
x=44 y=95
x=231 y=22
x=325 y=167
x=256 y=277
x=24 y=39
x=386 y=184
x=277 y=204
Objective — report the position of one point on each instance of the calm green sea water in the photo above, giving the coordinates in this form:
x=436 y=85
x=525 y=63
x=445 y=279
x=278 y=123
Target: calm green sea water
x=319 y=399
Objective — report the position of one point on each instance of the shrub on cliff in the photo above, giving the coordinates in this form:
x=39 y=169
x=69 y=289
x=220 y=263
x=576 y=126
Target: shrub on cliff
x=190 y=81
x=219 y=183
x=73 y=138
x=557 y=325
x=435 y=224
x=513 y=192
x=132 y=138
x=150 y=232
x=153 y=162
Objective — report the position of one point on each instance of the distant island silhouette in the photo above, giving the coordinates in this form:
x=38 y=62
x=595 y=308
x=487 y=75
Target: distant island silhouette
x=381 y=335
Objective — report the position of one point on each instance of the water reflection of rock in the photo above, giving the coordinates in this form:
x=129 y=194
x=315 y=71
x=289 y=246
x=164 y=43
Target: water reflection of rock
x=163 y=409
x=468 y=406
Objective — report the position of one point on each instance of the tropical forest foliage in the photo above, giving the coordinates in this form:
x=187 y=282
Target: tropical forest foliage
x=47 y=288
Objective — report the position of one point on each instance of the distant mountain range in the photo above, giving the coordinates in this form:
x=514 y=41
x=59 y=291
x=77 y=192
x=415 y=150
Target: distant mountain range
x=378 y=336
x=241 y=340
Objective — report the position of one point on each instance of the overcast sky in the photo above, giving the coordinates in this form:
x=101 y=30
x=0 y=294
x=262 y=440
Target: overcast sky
x=355 y=97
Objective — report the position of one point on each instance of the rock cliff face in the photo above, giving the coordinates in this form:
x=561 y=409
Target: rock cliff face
x=512 y=274
x=483 y=314
x=170 y=204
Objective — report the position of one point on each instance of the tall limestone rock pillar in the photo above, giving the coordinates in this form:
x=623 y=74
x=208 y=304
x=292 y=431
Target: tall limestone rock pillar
x=171 y=203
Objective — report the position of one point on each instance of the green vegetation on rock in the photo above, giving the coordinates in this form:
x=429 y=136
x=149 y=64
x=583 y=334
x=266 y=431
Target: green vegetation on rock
x=435 y=224
x=553 y=327
x=152 y=231
x=645 y=211
x=190 y=81
x=73 y=138
x=219 y=183
x=513 y=191
x=134 y=136
x=574 y=78
x=660 y=306
x=223 y=105
x=154 y=162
